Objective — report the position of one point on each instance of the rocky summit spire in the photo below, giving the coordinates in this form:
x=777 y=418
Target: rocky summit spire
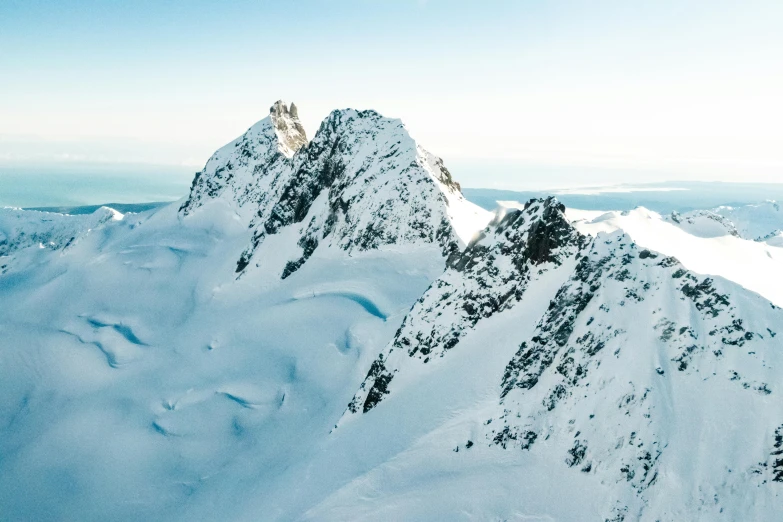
x=290 y=133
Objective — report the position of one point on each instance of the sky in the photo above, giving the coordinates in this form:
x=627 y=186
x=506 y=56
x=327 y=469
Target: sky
x=512 y=94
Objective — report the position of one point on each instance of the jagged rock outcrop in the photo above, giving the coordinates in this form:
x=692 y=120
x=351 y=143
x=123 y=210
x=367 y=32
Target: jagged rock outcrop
x=597 y=375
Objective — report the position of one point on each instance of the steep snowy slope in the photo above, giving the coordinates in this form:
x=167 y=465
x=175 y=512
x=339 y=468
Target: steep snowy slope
x=610 y=376
x=517 y=250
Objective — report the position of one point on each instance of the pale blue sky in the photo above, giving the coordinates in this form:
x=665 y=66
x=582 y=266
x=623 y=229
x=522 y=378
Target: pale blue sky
x=664 y=89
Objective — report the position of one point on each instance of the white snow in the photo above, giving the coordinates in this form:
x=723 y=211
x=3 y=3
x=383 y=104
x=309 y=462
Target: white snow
x=20 y=229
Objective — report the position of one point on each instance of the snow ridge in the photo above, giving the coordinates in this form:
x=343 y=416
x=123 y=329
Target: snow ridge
x=757 y=222
x=704 y=223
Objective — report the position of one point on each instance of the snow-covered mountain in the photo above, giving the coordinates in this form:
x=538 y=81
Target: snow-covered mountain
x=597 y=381
x=327 y=330
x=362 y=183
x=494 y=273
x=704 y=223
x=754 y=221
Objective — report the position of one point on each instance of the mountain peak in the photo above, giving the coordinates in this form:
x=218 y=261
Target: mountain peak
x=362 y=183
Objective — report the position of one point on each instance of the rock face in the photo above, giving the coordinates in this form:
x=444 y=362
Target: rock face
x=362 y=183
x=625 y=332
x=596 y=376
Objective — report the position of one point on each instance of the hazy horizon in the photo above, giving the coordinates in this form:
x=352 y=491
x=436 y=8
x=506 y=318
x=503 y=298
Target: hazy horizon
x=74 y=184
x=58 y=186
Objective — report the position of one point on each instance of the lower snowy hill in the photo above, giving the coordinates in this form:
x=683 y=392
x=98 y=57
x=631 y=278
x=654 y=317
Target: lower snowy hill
x=704 y=223
x=20 y=229
x=773 y=238
x=754 y=221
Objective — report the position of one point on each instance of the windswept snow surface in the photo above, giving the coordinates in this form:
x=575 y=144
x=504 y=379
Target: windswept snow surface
x=387 y=351
x=142 y=381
